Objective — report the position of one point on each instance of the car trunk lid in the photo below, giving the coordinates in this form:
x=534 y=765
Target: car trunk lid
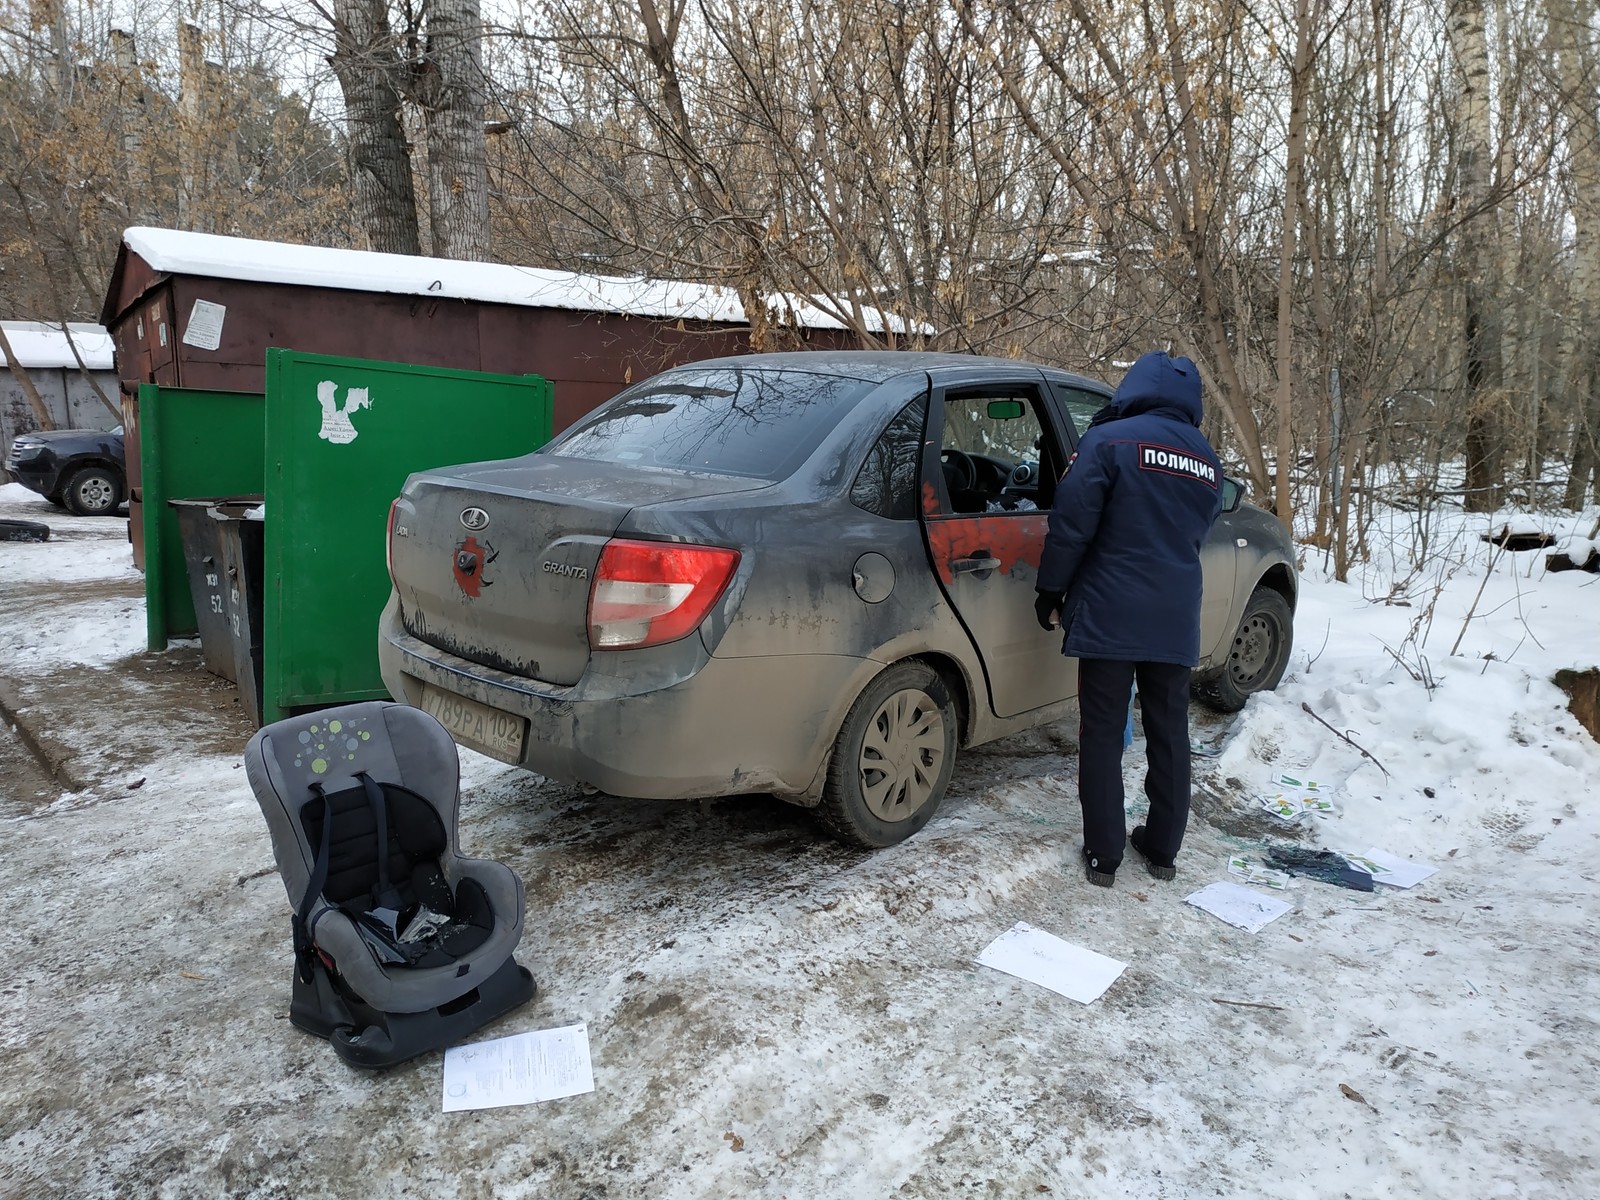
x=493 y=562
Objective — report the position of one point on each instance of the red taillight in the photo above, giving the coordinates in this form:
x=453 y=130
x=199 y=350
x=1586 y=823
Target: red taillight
x=647 y=593
x=388 y=541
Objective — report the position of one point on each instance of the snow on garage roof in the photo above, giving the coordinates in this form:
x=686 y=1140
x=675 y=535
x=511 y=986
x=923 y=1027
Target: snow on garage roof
x=206 y=254
x=40 y=344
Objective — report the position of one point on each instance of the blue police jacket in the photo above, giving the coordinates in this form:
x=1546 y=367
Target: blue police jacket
x=1136 y=502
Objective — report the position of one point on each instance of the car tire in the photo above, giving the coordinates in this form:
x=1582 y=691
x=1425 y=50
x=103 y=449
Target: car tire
x=1257 y=655
x=93 y=491
x=892 y=760
x=23 y=531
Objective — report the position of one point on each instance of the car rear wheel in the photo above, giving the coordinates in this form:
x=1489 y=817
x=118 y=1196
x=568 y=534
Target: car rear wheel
x=1257 y=656
x=893 y=758
x=93 y=491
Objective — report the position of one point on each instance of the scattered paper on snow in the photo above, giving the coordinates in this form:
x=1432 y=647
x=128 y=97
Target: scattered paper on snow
x=1045 y=959
x=546 y=1064
x=1238 y=906
x=1292 y=798
x=1291 y=808
x=1256 y=873
x=1391 y=869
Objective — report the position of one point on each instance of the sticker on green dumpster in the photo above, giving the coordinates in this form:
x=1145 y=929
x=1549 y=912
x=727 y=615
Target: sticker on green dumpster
x=336 y=424
x=342 y=435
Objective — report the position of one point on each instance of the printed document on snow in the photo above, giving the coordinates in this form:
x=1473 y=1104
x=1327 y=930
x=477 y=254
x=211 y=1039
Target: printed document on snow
x=1238 y=906
x=1045 y=959
x=524 y=1069
x=1391 y=868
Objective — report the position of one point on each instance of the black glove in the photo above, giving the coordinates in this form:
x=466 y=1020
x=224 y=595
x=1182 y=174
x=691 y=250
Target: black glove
x=1045 y=604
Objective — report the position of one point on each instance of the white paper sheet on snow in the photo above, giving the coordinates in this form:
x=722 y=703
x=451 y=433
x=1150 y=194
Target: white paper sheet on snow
x=1045 y=959
x=1391 y=869
x=526 y=1068
x=1238 y=906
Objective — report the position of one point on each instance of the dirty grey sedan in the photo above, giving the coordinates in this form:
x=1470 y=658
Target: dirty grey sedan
x=805 y=574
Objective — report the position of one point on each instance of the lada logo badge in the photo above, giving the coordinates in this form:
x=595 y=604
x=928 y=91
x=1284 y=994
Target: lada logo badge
x=474 y=519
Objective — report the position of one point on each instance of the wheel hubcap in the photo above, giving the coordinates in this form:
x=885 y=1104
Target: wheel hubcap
x=95 y=493
x=1253 y=649
x=902 y=755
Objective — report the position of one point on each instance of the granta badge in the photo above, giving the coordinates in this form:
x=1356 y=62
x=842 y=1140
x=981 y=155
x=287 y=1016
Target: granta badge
x=474 y=519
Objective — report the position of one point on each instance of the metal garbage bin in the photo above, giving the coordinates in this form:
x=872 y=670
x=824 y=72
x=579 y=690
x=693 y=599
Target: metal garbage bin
x=243 y=559
x=202 y=555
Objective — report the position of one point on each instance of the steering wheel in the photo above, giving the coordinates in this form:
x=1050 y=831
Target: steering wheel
x=961 y=473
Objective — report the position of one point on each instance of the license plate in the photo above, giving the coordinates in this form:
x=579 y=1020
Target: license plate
x=487 y=730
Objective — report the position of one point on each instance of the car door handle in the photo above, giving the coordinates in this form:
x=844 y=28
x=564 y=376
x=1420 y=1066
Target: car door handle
x=961 y=565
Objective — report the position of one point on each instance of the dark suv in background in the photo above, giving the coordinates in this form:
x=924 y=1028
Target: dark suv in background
x=79 y=469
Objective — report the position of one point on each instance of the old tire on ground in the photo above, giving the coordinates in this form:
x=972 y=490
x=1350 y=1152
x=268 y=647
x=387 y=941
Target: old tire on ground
x=892 y=760
x=93 y=491
x=1257 y=656
x=24 y=531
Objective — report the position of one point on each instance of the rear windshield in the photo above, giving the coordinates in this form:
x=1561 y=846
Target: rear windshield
x=759 y=423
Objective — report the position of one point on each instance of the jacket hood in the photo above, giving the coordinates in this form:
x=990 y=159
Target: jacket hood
x=1159 y=381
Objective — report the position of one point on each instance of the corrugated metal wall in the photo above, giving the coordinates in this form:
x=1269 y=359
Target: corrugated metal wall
x=68 y=396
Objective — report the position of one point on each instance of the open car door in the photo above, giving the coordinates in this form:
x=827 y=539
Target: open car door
x=993 y=455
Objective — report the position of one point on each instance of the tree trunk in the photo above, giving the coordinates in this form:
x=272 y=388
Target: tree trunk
x=1478 y=259
x=367 y=66
x=1294 y=185
x=458 y=168
x=1580 y=85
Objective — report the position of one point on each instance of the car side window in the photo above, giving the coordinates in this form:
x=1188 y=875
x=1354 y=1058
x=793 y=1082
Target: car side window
x=886 y=484
x=994 y=452
x=1081 y=406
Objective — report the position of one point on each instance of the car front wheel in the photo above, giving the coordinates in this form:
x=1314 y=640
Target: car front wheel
x=1257 y=655
x=93 y=491
x=893 y=758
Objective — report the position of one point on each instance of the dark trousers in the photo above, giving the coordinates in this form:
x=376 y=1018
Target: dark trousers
x=1104 y=688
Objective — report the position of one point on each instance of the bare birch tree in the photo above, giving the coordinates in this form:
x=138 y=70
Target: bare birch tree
x=1478 y=256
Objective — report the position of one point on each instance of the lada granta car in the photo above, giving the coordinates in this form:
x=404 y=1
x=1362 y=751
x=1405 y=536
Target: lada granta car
x=806 y=574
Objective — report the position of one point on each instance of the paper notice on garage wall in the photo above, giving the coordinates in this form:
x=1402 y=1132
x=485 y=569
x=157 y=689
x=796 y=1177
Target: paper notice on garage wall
x=205 y=325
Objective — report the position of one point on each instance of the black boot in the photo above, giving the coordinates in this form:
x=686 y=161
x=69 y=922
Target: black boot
x=1099 y=872
x=1156 y=867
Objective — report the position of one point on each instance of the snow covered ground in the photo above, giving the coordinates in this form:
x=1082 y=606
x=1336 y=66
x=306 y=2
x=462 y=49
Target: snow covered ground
x=773 y=1015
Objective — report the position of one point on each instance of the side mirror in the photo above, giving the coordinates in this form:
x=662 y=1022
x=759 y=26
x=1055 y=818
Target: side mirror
x=1232 y=493
x=1005 y=410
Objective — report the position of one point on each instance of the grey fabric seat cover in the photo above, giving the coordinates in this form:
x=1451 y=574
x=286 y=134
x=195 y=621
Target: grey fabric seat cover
x=395 y=744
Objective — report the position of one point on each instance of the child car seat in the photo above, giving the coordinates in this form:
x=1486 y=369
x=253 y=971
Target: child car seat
x=401 y=945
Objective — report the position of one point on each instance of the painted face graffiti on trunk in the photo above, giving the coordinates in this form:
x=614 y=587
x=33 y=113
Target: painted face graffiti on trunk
x=468 y=563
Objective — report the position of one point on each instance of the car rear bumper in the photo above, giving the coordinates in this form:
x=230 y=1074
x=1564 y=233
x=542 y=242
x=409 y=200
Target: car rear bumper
x=668 y=723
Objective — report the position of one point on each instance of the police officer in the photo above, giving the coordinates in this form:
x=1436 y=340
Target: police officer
x=1121 y=573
